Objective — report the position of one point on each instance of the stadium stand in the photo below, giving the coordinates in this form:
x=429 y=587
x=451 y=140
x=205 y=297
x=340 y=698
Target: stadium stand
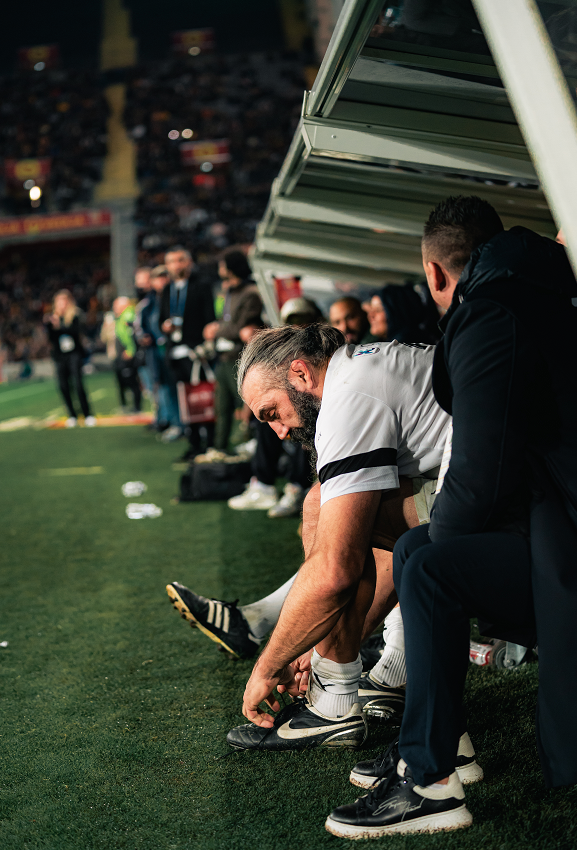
x=251 y=103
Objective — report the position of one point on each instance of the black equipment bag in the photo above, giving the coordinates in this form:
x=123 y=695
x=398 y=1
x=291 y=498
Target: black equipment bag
x=214 y=481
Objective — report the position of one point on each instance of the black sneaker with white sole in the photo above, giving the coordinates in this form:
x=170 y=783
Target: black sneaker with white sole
x=398 y=805
x=366 y=774
x=221 y=621
x=381 y=701
x=299 y=726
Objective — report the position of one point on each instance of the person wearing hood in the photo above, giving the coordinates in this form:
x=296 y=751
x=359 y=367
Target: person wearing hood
x=503 y=533
x=406 y=313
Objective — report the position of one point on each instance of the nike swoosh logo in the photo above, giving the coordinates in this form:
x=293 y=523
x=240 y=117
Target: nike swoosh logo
x=285 y=731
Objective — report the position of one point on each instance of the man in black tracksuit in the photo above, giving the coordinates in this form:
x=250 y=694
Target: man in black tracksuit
x=502 y=542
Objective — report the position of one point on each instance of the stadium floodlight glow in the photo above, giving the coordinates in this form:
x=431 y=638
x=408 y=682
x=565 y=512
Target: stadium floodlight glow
x=187 y=134
x=35 y=193
x=173 y=134
x=206 y=167
x=28 y=184
x=40 y=66
x=194 y=51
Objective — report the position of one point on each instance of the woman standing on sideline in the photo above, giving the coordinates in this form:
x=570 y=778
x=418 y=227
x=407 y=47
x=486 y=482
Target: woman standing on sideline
x=64 y=333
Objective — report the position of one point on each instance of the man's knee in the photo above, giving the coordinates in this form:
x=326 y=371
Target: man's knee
x=406 y=546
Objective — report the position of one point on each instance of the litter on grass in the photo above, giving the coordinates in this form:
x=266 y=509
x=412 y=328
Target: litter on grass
x=3 y=644
x=134 y=488
x=134 y=510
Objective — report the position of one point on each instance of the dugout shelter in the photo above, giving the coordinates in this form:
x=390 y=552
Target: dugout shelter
x=416 y=100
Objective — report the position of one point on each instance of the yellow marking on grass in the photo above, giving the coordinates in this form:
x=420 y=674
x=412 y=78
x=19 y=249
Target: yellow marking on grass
x=98 y=394
x=73 y=470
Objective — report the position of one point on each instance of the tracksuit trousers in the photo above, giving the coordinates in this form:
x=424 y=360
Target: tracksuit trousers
x=268 y=451
x=440 y=586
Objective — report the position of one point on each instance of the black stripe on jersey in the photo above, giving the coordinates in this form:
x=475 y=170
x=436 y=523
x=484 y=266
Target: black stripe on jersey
x=364 y=460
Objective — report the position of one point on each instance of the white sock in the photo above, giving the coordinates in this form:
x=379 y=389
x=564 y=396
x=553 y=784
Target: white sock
x=391 y=668
x=334 y=687
x=262 y=615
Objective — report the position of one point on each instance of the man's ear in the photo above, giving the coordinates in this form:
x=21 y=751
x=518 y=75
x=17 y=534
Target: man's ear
x=435 y=277
x=300 y=375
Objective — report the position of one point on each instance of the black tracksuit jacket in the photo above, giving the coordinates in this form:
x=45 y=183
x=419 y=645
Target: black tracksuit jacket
x=507 y=371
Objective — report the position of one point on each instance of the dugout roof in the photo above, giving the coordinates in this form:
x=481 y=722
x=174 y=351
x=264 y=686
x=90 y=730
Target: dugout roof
x=407 y=108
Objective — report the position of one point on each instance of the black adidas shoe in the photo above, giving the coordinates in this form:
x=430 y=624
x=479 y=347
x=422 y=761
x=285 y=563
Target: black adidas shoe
x=299 y=726
x=366 y=774
x=397 y=804
x=221 y=621
x=378 y=700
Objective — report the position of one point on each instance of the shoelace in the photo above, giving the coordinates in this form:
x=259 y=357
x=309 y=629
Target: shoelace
x=386 y=761
x=374 y=798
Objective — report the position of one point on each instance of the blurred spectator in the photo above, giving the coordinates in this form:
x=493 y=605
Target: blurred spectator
x=260 y=493
x=67 y=351
x=154 y=341
x=30 y=278
x=242 y=309
x=186 y=307
x=406 y=313
x=125 y=363
x=347 y=316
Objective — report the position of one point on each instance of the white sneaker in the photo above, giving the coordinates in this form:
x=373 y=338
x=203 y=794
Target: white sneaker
x=90 y=421
x=171 y=434
x=71 y=422
x=256 y=497
x=291 y=502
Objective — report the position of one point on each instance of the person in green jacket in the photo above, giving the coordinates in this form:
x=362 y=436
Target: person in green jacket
x=125 y=362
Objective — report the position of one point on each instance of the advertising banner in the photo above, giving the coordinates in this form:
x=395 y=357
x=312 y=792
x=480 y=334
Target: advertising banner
x=193 y=41
x=46 y=54
x=19 y=170
x=37 y=225
x=216 y=151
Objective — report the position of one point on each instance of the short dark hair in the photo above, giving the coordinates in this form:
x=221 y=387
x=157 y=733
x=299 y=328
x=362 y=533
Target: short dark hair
x=176 y=249
x=456 y=227
x=351 y=302
x=237 y=263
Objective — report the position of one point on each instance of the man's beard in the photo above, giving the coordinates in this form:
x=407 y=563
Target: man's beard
x=307 y=407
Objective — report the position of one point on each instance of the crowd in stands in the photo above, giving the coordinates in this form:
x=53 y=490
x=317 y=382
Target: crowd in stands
x=59 y=115
x=253 y=102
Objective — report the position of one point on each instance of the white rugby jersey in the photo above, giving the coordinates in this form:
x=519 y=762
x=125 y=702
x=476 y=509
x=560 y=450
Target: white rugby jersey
x=378 y=418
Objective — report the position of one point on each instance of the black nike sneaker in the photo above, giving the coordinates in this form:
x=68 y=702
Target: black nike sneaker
x=382 y=701
x=221 y=621
x=397 y=804
x=299 y=726
x=366 y=774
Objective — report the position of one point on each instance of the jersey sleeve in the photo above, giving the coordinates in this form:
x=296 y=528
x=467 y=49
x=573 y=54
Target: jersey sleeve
x=357 y=446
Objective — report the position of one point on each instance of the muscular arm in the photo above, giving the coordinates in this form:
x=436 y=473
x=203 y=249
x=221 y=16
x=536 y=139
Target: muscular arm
x=324 y=586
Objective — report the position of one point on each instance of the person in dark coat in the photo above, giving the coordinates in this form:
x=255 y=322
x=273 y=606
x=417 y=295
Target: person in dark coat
x=406 y=313
x=186 y=307
x=63 y=326
x=502 y=541
x=241 y=313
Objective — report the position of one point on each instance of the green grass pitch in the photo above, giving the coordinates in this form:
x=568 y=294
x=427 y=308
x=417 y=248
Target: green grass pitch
x=114 y=711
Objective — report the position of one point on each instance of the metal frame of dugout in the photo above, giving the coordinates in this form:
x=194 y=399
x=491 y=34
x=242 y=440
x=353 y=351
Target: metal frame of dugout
x=406 y=111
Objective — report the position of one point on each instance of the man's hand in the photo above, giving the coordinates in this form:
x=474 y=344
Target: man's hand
x=167 y=326
x=260 y=688
x=301 y=667
x=211 y=330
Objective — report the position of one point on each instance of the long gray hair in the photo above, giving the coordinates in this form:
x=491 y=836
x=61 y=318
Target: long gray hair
x=274 y=349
